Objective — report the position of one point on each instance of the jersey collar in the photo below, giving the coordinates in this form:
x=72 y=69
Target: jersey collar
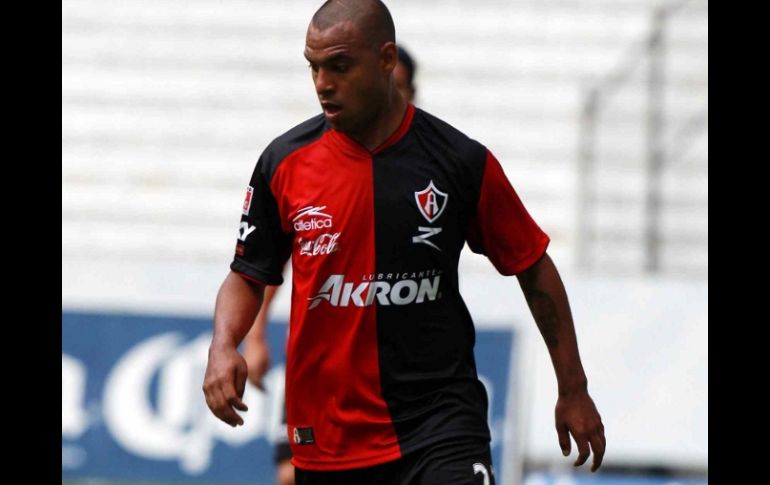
x=356 y=148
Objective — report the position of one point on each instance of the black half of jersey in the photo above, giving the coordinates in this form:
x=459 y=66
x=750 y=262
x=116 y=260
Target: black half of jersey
x=427 y=366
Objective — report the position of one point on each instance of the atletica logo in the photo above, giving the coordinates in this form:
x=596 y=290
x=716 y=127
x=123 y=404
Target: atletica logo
x=318 y=219
x=340 y=293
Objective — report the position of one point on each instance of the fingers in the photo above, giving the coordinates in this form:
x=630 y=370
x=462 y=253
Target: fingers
x=564 y=441
x=586 y=443
x=583 y=450
x=598 y=445
x=238 y=404
x=576 y=416
x=234 y=400
x=222 y=407
x=221 y=398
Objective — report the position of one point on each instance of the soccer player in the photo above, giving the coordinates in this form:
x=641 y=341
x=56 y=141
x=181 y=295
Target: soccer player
x=373 y=200
x=403 y=75
x=255 y=349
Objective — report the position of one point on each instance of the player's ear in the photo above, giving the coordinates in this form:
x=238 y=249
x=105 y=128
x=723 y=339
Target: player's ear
x=388 y=57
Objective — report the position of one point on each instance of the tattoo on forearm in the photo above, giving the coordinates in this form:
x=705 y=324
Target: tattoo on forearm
x=544 y=311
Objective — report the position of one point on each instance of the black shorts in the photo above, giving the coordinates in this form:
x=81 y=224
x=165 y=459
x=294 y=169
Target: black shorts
x=282 y=450
x=454 y=462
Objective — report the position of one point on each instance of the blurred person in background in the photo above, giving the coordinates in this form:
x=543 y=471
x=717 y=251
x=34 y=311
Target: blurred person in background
x=255 y=350
x=373 y=201
x=403 y=75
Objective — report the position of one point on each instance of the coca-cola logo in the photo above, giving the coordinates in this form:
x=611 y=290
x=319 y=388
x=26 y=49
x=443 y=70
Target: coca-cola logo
x=323 y=244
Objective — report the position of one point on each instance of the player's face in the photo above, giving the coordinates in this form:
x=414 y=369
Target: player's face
x=350 y=76
x=401 y=79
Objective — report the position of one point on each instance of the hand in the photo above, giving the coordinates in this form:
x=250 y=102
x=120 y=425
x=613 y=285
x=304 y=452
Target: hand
x=224 y=383
x=257 y=355
x=577 y=414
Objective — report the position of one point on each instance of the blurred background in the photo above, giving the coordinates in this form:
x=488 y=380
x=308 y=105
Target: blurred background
x=598 y=112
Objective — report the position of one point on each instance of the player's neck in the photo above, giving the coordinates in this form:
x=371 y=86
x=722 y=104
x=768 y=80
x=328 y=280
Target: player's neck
x=384 y=124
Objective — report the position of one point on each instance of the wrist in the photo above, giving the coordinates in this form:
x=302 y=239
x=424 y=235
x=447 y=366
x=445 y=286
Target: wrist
x=577 y=386
x=223 y=343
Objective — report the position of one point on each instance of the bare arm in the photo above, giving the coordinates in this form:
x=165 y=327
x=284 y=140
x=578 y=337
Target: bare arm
x=575 y=410
x=238 y=302
x=255 y=350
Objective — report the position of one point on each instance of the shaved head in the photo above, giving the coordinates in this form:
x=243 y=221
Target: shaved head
x=351 y=50
x=371 y=17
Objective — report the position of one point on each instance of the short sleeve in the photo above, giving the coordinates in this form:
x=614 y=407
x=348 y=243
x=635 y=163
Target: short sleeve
x=501 y=227
x=262 y=247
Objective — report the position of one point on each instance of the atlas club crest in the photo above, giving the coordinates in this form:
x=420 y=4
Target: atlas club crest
x=431 y=202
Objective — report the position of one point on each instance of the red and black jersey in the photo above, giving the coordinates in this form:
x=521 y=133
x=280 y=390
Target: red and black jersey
x=380 y=350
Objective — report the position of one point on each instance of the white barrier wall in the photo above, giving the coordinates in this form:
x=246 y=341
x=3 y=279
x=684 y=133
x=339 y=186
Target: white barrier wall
x=644 y=344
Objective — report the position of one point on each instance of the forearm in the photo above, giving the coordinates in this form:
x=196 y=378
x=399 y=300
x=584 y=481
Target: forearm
x=238 y=303
x=547 y=300
x=260 y=323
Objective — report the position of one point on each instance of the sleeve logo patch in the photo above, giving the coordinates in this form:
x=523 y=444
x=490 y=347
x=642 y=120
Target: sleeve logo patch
x=247 y=201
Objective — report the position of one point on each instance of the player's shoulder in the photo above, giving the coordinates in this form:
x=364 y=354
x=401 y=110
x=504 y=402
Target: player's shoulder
x=433 y=128
x=299 y=136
